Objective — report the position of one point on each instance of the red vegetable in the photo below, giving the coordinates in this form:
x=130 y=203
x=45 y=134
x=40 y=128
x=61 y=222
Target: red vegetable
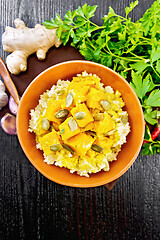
x=155 y=132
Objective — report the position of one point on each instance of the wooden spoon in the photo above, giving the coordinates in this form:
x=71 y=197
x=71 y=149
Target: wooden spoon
x=8 y=81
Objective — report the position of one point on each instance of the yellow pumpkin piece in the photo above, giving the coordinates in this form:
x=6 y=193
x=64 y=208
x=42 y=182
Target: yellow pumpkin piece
x=94 y=97
x=79 y=91
x=88 y=80
x=56 y=126
x=87 y=119
x=65 y=130
x=104 y=142
x=89 y=126
x=107 y=124
x=47 y=140
x=94 y=111
x=80 y=143
x=113 y=114
x=52 y=107
x=39 y=129
x=91 y=153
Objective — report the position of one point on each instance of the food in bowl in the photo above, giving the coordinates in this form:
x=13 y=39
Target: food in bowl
x=80 y=125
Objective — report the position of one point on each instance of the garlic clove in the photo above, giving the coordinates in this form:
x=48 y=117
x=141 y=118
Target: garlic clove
x=3 y=99
x=13 y=107
x=8 y=124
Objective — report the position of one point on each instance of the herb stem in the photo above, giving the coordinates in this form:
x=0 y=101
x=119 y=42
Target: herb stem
x=127 y=69
x=155 y=71
x=98 y=27
x=125 y=19
x=137 y=56
x=124 y=58
x=146 y=41
x=91 y=43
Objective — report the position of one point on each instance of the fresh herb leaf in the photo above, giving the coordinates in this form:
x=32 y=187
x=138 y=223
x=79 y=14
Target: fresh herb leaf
x=154 y=98
x=151 y=148
x=151 y=83
x=139 y=67
x=150 y=116
x=147 y=135
x=111 y=13
x=65 y=37
x=155 y=55
x=131 y=7
x=158 y=66
x=58 y=21
x=89 y=10
x=68 y=17
x=147 y=149
x=141 y=86
x=62 y=131
x=50 y=25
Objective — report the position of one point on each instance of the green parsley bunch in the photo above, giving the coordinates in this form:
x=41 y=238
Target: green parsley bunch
x=130 y=48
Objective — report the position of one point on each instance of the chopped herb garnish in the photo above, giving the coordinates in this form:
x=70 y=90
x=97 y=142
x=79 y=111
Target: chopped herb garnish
x=62 y=131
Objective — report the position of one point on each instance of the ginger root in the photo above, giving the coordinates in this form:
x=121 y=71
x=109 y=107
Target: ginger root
x=23 y=41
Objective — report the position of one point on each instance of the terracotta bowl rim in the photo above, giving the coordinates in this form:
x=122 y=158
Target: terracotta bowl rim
x=99 y=183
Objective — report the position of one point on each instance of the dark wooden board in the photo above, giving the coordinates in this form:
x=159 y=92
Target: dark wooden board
x=33 y=207
x=35 y=67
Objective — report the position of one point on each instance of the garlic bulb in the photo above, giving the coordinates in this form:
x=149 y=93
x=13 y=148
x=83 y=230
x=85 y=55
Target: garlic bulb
x=3 y=96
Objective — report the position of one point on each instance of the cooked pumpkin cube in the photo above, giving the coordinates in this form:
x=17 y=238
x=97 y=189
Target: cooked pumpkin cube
x=55 y=126
x=52 y=107
x=79 y=91
x=91 y=153
x=88 y=80
x=39 y=129
x=87 y=119
x=107 y=124
x=89 y=126
x=65 y=130
x=94 y=97
x=80 y=143
x=47 y=140
x=104 y=142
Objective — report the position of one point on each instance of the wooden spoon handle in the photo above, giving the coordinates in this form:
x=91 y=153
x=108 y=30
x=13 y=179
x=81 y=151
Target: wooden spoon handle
x=8 y=81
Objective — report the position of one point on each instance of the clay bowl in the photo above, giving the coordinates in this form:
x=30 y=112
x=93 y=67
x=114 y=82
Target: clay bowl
x=67 y=70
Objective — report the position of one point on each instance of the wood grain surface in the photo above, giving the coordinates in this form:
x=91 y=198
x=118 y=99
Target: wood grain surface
x=33 y=207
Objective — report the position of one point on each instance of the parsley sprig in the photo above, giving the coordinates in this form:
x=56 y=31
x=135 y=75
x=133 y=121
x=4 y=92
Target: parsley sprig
x=130 y=48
